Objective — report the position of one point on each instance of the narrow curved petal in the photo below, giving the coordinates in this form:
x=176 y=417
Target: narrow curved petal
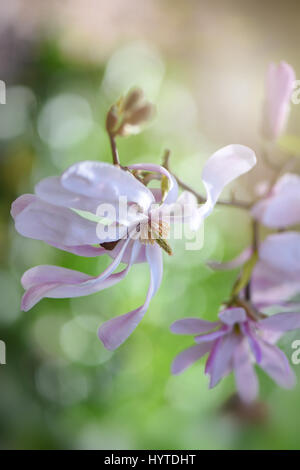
x=245 y=377
x=141 y=252
x=192 y=326
x=281 y=322
x=279 y=86
x=212 y=336
x=232 y=264
x=282 y=207
x=106 y=183
x=233 y=315
x=254 y=344
x=222 y=357
x=115 y=331
x=187 y=357
x=275 y=363
x=56 y=282
x=173 y=187
x=282 y=251
x=222 y=168
x=88 y=251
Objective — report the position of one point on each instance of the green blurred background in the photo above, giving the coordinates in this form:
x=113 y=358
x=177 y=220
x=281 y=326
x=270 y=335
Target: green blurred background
x=64 y=64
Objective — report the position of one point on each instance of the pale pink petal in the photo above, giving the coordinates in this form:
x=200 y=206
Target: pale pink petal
x=275 y=363
x=187 y=357
x=106 y=183
x=271 y=286
x=51 y=190
x=173 y=187
x=115 y=331
x=282 y=207
x=233 y=315
x=59 y=225
x=87 y=251
x=247 y=330
x=245 y=377
x=212 y=336
x=279 y=86
x=222 y=168
x=193 y=326
x=21 y=203
x=222 y=357
x=282 y=252
x=56 y=282
x=281 y=322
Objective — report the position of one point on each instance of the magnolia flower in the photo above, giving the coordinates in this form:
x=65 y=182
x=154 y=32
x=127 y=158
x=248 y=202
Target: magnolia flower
x=279 y=86
x=57 y=214
x=235 y=343
x=276 y=276
x=281 y=207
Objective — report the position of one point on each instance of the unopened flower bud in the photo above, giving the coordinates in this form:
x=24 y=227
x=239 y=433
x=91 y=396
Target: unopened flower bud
x=141 y=114
x=133 y=98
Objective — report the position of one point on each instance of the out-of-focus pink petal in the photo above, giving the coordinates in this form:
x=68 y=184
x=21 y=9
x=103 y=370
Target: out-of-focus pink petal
x=222 y=168
x=275 y=363
x=192 y=326
x=187 y=357
x=232 y=264
x=115 y=331
x=173 y=187
x=106 y=183
x=281 y=322
x=282 y=251
x=230 y=316
x=56 y=282
x=282 y=207
x=245 y=377
x=279 y=86
x=222 y=357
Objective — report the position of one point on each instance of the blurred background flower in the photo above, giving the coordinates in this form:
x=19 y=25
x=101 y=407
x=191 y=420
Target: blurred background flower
x=203 y=64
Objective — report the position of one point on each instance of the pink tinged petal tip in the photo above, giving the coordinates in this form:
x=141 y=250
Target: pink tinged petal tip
x=192 y=326
x=187 y=357
x=222 y=168
x=280 y=81
x=115 y=331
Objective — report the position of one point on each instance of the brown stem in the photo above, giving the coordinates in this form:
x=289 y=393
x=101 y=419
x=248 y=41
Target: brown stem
x=114 y=150
x=200 y=198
